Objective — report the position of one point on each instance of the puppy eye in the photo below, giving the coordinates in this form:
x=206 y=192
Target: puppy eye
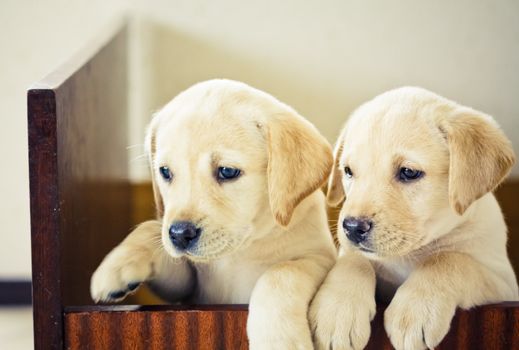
x=348 y=172
x=407 y=174
x=225 y=173
x=166 y=173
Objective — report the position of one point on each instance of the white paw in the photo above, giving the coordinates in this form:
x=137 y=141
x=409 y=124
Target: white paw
x=340 y=319
x=121 y=273
x=415 y=320
x=279 y=344
x=271 y=330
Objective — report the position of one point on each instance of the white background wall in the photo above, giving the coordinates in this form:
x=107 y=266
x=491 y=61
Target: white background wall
x=322 y=57
x=35 y=36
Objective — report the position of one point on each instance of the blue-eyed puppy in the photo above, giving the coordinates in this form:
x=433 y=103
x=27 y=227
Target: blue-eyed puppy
x=419 y=223
x=236 y=176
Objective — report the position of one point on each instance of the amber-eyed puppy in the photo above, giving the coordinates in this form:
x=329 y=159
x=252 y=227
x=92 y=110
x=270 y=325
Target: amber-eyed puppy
x=419 y=221
x=236 y=175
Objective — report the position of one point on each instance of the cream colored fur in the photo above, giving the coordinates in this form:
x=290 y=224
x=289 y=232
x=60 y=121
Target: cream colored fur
x=265 y=238
x=437 y=243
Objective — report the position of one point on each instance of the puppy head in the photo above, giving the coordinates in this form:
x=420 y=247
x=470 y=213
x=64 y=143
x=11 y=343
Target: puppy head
x=228 y=163
x=410 y=163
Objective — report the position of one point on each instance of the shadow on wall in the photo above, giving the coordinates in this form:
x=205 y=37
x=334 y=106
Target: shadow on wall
x=175 y=60
x=325 y=64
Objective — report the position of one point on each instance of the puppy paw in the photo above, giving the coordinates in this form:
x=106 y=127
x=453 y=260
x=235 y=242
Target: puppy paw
x=279 y=344
x=121 y=273
x=267 y=331
x=340 y=320
x=416 y=320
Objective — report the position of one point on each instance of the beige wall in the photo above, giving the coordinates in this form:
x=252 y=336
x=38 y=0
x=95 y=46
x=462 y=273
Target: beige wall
x=35 y=36
x=322 y=57
x=327 y=57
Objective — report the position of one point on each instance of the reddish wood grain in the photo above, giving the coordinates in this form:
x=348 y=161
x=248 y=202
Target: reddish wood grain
x=486 y=327
x=160 y=327
x=493 y=327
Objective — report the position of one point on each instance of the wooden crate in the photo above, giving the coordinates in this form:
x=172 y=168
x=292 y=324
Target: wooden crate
x=81 y=208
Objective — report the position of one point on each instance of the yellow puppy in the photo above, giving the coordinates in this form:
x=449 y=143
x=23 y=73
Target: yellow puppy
x=236 y=175
x=419 y=221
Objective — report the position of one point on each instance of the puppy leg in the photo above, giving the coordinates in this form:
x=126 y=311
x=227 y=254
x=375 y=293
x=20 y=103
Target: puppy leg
x=139 y=258
x=344 y=306
x=279 y=304
x=421 y=311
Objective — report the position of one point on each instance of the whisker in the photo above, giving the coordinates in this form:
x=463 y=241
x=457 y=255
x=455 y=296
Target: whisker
x=139 y=158
x=135 y=145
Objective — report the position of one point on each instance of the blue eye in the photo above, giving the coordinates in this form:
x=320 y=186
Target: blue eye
x=166 y=173
x=228 y=173
x=348 y=171
x=407 y=175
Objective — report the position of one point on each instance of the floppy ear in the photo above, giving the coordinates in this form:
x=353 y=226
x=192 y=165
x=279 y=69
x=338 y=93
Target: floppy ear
x=480 y=156
x=150 y=146
x=300 y=160
x=335 y=194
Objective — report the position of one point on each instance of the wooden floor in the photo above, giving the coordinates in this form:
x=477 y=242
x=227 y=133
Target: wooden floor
x=16 y=328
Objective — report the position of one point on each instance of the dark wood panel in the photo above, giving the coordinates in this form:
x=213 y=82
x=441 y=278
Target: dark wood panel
x=80 y=194
x=94 y=193
x=223 y=327
x=508 y=196
x=486 y=327
x=143 y=205
x=46 y=272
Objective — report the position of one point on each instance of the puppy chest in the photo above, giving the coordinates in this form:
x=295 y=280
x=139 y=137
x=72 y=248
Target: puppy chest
x=226 y=282
x=390 y=276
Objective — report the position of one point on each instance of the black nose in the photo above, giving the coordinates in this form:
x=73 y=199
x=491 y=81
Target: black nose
x=357 y=229
x=183 y=234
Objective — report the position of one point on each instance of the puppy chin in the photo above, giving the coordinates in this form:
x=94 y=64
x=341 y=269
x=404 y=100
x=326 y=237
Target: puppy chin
x=206 y=255
x=395 y=246
x=213 y=246
x=368 y=252
x=381 y=246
